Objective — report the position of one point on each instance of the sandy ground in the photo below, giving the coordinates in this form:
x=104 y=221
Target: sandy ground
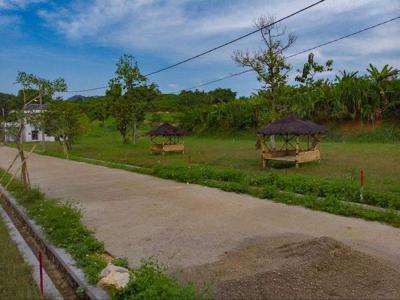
x=190 y=227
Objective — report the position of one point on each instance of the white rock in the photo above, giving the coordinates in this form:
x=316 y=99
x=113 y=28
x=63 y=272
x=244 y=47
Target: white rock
x=114 y=276
x=110 y=267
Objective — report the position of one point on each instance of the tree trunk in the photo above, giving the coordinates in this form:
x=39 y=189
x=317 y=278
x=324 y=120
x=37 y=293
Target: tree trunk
x=24 y=168
x=65 y=148
x=134 y=132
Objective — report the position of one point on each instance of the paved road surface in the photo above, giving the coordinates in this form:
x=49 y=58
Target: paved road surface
x=187 y=225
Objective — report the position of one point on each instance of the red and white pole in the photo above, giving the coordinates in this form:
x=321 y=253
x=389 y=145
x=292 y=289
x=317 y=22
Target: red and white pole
x=189 y=161
x=362 y=184
x=41 y=273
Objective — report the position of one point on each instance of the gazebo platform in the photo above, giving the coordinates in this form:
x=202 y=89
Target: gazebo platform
x=289 y=128
x=167 y=138
x=165 y=147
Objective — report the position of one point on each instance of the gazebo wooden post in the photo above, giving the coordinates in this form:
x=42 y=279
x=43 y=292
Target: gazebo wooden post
x=286 y=141
x=297 y=149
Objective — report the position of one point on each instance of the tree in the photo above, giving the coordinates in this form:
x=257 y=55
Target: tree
x=34 y=89
x=310 y=69
x=221 y=95
x=65 y=122
x=129 y=96
x=269 y=63
x=381 y=80
x=193 y=98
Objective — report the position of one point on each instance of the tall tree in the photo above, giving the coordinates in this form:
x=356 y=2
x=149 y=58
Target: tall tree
x=269 y=63
x=33 y=89
x=130 y=96
x=66 y=122
x=381 y=80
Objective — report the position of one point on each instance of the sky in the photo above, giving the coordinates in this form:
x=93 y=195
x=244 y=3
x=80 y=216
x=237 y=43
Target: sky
x=81 y=40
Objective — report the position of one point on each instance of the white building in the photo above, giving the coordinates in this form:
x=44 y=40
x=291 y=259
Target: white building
x=30 y=133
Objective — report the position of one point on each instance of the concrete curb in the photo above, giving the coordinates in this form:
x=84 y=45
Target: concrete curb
x=29 y=257
x=63 y=260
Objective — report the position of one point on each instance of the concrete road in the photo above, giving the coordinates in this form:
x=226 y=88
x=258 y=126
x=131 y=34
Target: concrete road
x=185 y=225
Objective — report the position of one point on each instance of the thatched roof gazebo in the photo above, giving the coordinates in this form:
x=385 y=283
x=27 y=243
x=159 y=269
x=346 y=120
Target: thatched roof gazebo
x=167 y=138
x=291 y=128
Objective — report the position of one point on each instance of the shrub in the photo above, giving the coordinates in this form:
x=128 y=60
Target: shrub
x=61 y=225
x=149 y=281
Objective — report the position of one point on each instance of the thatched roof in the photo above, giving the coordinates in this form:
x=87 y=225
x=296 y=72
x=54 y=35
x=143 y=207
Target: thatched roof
x=166 y=129
x=291 y=125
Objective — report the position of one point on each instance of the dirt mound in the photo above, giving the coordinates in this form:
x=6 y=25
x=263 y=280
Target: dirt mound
x=319 y=268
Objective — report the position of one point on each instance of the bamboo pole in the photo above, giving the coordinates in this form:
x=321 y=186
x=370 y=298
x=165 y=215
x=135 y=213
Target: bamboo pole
x=297 y=149
x=9 y=167
x=16 y=171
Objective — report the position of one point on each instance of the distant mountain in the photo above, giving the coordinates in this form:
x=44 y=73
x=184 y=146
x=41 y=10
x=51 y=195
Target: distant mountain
x=77 y=97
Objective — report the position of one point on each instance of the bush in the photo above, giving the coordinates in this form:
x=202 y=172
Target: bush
x=236 y=181
x=149 y=281
x=62 y=226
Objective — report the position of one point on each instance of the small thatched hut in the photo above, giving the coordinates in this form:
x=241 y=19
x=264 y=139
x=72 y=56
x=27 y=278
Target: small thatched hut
x=291 y=129
x=167 y=138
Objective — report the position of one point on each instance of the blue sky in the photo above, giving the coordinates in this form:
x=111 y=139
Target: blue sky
x=81 y=40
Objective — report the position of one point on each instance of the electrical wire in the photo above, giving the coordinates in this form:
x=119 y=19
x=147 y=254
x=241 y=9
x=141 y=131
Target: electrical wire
x=293 y=55
x=212 y=49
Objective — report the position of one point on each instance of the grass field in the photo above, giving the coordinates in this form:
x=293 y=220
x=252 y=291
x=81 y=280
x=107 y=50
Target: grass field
x=16 y=281
x=380 y=162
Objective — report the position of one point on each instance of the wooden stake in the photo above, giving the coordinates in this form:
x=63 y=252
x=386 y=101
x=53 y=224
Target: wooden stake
x=9 y=167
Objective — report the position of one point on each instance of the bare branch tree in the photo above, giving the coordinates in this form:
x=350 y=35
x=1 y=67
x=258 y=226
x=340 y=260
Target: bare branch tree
x=269 y=63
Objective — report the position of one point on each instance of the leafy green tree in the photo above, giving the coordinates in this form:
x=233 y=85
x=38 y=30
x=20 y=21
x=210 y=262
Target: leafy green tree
x=310 y=69
x=65 y=122
x=381 y=80
x=129 y=96
x=193 y=98
x=221 y=95
x=34 y=89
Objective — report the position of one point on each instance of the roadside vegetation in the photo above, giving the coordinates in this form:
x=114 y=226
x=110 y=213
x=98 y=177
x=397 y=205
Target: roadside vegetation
x=62 y=226
x=16 y=276
x=232 y=164
x=360 y=108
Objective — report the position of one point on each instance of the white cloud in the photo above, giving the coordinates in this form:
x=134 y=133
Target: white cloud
x=185 y=27
x=173 y=29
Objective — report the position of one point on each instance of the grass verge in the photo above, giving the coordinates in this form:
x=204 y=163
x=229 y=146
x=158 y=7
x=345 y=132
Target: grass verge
x=331 y=195
x=61 y=223
x=16 y=276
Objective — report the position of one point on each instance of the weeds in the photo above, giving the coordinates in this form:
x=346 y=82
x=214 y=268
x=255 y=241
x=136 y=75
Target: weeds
x=330 y=195
x=61 y=223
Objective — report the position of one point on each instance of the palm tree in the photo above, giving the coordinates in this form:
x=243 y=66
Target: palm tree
x=346 y=75
x=381 y=79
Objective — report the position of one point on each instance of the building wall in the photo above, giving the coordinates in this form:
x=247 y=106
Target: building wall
x=30 y=132
x=29 y=135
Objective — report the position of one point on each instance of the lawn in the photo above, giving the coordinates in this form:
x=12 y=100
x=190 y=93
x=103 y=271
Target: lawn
x=380 y=162
x=16 y=280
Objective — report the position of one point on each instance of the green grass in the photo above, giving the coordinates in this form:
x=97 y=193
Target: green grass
x=381 y=162
x=233 y=164
x=16 y=278
x=62 y=226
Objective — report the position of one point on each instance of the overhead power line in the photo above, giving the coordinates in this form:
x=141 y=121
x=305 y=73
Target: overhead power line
x=345 y=36
x=212 y=49
x=293 y=55
x=234 y=40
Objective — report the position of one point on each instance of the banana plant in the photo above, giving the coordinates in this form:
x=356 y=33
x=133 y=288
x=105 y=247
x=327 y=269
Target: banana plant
x=381 y=79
